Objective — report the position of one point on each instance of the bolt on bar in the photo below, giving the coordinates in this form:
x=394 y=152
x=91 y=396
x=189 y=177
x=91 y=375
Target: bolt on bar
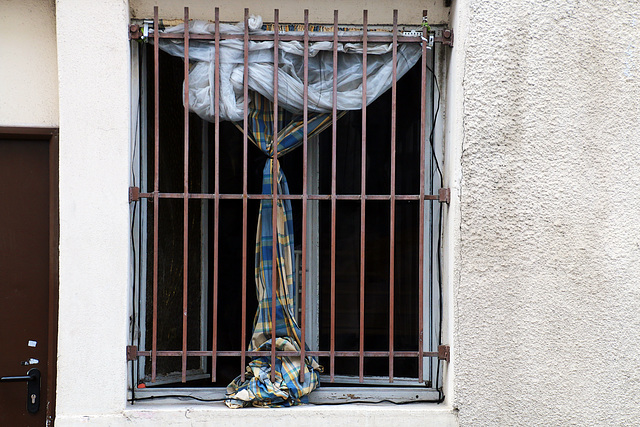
x=363 y=188
x=392 y=214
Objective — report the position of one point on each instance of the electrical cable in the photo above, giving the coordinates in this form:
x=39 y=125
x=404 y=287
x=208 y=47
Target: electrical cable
x=177 y=396
x=440 y=231
x=132 y=323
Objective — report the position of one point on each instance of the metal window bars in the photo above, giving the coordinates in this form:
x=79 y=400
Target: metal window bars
x=443 y=196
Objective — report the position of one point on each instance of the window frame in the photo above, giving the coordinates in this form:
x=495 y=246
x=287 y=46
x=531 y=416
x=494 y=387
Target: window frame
x=322 y=395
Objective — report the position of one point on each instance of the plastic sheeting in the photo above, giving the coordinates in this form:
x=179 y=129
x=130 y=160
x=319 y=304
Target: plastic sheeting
x=290 y=70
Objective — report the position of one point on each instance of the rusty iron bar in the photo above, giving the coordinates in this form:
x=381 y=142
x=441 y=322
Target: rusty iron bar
x=442 y=197
x=334 y=130
x=372 y=38
x=185 y=239
x=441 y=353
x=274 y=194
x=156 y=189
x=245 y=88
x=392 y=213
x=305 y=118
x=216 y=189
x=363 y=189
x=423 y=135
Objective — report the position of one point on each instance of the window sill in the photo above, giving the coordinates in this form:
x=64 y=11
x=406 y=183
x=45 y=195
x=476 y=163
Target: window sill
x=172 y=411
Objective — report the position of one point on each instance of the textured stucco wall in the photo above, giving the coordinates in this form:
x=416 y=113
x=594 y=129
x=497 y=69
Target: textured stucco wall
x=547 y=297
x=28 y=69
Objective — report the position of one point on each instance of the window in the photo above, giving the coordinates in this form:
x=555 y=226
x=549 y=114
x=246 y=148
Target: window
x=357 y=220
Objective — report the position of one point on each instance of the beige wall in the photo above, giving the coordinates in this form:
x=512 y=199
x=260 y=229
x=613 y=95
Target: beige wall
x=28 y=68
x=350 y=12
x=548 y=293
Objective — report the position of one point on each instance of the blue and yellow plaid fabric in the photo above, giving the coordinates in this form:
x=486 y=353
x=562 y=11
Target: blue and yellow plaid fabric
x=257 y=389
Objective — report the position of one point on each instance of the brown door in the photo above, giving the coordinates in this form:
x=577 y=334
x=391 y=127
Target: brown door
x=28 y=283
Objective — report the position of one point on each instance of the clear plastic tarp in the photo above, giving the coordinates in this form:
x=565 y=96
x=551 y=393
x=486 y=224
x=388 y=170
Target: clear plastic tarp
x=290 y=70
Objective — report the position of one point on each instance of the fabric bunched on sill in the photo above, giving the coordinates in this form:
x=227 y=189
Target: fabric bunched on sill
x=258 y=390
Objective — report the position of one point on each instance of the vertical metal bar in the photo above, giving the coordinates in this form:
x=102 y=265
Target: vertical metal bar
x=303 y=284
x=156 y=189
x=274 y=195
x=392 y=213
x=245 y=84
x=216 y=214
x=423 y=106
x=432 y=330
x=334 y=130
x=363 y=188
x=144 y=206
x=185 y=240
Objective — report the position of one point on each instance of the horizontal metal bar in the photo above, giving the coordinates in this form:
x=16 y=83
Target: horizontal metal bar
x=290 y=37
x=409 y=393
x=370 y=380
x=442 y=197
x=176 y=353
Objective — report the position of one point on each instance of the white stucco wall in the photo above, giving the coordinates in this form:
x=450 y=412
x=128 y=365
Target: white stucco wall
x=93 y=59
x=28 y=69
x=547 y=296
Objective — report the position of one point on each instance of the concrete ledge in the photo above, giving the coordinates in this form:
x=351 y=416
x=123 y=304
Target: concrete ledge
x=205 y=414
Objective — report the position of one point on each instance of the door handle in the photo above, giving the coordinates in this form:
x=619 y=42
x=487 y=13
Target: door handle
x=33 y=388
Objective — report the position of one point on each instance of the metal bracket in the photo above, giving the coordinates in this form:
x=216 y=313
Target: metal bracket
x=134 y=194
x=134 y=32
x=444 y=195
x=446 y=38
x=444 y=353
x=132 y=353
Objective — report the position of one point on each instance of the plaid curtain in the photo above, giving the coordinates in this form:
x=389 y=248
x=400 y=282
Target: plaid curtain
x=257 y=389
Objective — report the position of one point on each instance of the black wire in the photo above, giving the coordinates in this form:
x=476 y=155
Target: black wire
x=438 y=250
x=435 y=116
x=133 y=241
x=408 y=402
x=180 y=396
